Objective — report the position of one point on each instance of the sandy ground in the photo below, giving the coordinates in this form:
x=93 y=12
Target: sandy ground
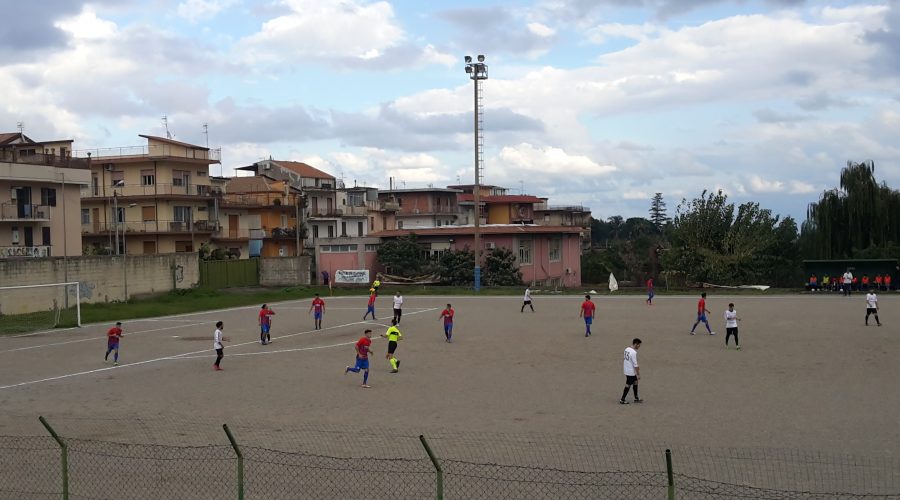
x=810 y=375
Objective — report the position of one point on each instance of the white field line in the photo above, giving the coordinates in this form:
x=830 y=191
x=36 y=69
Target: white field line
x=176 y=356
x=93 y=339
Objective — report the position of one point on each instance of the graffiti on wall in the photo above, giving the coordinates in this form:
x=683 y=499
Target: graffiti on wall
x=85 y=290
x=178 y=271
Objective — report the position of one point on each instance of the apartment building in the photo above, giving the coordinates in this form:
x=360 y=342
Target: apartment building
x=565 y=215
x=40 y=186
x=154 y=198
x=425 y=207
x=258 y=218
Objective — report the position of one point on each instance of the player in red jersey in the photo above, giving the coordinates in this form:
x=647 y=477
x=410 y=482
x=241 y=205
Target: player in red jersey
x=112 y=343
x=265 y=324
x=447 y=316
x=650 y=293
x=318 y=309
x=587 y=312
x=370 y=307
x=363 y=349
x=701 y=315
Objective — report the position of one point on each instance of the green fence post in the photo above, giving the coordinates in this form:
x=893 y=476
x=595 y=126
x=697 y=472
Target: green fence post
x=240 y=458
x=64 y=450
x=671 y=477
x=437 y=468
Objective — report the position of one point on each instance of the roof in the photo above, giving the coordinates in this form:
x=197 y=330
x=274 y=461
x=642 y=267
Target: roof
x=419 y=190
x=506 y=198
x=250 y=184
x=485 y=230
x=9 y=137
x=303 y=169
x=172 y=141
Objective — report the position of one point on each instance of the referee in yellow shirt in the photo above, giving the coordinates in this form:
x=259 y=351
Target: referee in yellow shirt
x=393 y=335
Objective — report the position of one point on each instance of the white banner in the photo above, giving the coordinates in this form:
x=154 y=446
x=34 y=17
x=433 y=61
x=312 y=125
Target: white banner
x=351 y=276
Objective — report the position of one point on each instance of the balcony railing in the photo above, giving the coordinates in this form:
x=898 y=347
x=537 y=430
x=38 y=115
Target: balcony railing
x=146 y=190
x=155 y=226
x=254 y=234
x=560 y=208
x=14 y=211
x=52 y=160
x=329 y=213
x=156 y=150
x=358 y=211
x=256 y=200
x=15 y=251
x=452 y=210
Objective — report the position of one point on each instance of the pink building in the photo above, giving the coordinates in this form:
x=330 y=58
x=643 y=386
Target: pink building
x=548 y=255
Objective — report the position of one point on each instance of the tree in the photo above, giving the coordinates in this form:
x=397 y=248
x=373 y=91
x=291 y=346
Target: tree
x=501 y=268
x=658 y=211
x=859 y=218
x=402 y=256
x=456 y=267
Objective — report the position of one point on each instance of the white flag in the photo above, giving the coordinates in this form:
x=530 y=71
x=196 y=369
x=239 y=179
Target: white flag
x=613 y=284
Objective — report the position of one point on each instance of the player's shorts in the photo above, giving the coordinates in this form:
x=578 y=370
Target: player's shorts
x=630 y=379
x=362 y=363
x=392 y=346
x=731 y=330
x=265 y=328
x=317 y=315
x=650 y=294
x=871 y=310
x=701 y=317
x=113 y=345
x=370 y=309
x=448 y=327
x=588 y=320
x=527 y=302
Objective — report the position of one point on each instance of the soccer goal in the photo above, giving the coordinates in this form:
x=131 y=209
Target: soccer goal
x=30 y=308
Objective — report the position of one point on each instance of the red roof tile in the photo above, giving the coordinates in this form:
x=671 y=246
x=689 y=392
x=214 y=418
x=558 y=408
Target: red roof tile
x=303 y=169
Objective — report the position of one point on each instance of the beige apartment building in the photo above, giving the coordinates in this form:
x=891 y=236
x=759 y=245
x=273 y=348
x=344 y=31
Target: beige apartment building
x=40 y=187
x=148 y=199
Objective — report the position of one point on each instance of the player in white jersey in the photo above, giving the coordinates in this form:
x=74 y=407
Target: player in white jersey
x=872 y=307
x=527 y=301
x=731 y=326
x=632 y=372
x=398 y=307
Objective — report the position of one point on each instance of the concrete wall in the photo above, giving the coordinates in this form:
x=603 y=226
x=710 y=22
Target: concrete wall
x=101 y=279
x=284 y=271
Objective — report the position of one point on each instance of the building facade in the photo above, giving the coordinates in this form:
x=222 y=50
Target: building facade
x=148 y=199
x=40 y=187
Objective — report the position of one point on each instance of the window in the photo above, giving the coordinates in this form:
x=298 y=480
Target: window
x=399 y=201
x=148 y=214
x=117 y=178
x=371 y=223
x=85 y=216
x=525 y=251
x=343 y=229
x=201 y=173
x=178 y=177
x=555 y=244
x=121 y=214
x=183 y=246
x=315 y=231
x=45 y=234
x=371 y=248
x=148 y=178
x=182 y=214
x=439 y=223
x=48 y=196
x=330 y=231
x=338 y=248
x=359 y=228
x=399 y=224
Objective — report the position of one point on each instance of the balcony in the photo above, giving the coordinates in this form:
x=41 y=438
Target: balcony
x=390 y=206
x=150 y=191
x=325 y=213
x=352 y=211
x=257 y=200
x=543 y=207
x=16 y=212
x=155 y=227
x=50 y=160
x=18 y=251
x=154 y=151
x=452 y=210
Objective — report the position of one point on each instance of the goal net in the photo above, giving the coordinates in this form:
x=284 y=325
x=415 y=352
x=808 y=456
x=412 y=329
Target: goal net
x=31 y=308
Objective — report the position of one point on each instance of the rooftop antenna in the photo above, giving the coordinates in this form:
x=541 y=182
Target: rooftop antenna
x=206 y=133
x=457 y=179
x=21 y=127
x=165 y=120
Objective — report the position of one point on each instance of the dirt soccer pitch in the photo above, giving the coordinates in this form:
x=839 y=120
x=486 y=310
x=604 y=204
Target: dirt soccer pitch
x=810 y=376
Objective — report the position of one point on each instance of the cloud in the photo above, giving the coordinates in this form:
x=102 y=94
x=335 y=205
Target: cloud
x=527 y=159
x=760 y=185
x=768 y=115
x=199 y=10
x=499 y=29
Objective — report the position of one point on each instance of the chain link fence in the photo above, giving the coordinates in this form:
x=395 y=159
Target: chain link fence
x=199 y=460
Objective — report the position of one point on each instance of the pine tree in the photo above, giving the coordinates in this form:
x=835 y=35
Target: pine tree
x=658 y=211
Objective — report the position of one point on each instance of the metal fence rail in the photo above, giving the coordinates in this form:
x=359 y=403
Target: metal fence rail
x=363 y=464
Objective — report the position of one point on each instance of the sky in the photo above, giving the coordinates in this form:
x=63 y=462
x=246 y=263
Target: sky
x=595 y=102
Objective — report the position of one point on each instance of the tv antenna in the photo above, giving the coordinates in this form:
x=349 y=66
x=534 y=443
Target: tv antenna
x=165 y=121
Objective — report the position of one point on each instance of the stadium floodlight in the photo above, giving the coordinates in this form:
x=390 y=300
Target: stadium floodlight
x=478 y=72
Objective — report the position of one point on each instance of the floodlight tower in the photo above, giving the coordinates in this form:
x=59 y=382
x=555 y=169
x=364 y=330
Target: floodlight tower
x=478 y=72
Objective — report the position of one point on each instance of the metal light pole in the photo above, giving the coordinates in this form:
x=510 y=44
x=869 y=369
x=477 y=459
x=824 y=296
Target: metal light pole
x=116 y=218
x=478 y=72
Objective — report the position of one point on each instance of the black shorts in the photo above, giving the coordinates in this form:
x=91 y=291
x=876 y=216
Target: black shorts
x=392 y=346
x=732 y=330
x=871 y=310
x=630 y=379
x=527 y=302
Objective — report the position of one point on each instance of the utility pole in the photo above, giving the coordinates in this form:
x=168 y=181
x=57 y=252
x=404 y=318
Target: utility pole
x=478 y=72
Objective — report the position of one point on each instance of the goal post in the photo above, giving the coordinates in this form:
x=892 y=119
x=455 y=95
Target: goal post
x=30 y=308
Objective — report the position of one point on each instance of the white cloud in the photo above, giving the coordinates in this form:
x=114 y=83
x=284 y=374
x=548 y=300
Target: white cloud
x=541 y=30
x=313 y=29
x=526 y=159
x=760 y=185
x=635 y=195
x=800 y=187
x=87 y=26
x=198 y=10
